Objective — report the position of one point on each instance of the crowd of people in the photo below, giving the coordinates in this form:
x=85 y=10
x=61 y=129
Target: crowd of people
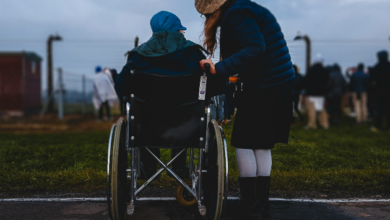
x=325 y=94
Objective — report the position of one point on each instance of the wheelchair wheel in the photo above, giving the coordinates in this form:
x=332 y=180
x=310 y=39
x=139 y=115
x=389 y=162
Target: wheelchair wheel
x=119 y=191
x=109 y=167
x=184 y=197
x=214 y=178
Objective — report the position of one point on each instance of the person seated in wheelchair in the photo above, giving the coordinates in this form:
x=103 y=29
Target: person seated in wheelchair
x=167 y=52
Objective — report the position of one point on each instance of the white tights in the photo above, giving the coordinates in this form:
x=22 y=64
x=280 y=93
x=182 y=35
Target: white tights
x=252 y=163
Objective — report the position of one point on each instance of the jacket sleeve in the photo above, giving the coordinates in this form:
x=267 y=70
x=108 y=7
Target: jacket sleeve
x=246 y=35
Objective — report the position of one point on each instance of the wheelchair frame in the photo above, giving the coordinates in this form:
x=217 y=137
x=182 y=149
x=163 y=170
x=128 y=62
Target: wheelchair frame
x=195 y=172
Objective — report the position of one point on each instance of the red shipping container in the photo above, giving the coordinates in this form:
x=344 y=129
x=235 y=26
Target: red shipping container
x=20 y=83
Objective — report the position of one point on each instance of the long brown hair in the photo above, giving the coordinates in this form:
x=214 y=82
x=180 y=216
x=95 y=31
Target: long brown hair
x=211 y=27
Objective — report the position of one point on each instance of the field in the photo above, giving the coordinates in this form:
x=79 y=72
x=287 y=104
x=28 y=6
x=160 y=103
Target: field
x=346 y=157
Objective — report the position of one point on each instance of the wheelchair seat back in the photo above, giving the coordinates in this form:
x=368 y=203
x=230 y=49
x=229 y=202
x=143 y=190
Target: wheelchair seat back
x=166 y=110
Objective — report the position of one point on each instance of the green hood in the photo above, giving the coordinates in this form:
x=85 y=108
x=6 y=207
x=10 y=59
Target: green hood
x=163 y=43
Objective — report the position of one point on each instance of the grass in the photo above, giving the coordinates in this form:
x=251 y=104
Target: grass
x=345 y=157
x=53 y=161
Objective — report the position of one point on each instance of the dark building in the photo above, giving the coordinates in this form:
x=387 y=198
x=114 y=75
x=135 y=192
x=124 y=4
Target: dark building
x=20 y=83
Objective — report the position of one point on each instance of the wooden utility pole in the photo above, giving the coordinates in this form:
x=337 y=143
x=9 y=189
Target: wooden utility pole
x=50 y=94
x=136 y=41
x=307 y=40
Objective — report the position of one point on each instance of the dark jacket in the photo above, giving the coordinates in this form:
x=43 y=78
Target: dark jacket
x=336 y=84
x=166 y=53
x=253 y=45
x=359 y=82
x=316 y=81
x=297 y=84
x=381 y=74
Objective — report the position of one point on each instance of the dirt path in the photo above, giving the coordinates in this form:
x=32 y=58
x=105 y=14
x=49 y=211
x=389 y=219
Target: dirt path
x=148 y=210
x=51 y=124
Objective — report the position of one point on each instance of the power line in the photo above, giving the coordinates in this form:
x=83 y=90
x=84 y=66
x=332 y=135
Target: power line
x=343 y=39
x=68 y=40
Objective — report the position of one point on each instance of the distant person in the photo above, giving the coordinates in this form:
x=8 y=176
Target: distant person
x=337 y=86
x=297 y=89
x=358 y=88
x=371 y=95
x=349 y=72
x=107 y=71
x=112 y=77
x=104 y=93
x=217 y=108
x=315 y=83
x=382 y=87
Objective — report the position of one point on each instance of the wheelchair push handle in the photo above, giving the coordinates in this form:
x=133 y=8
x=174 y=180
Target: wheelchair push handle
x=207 y=67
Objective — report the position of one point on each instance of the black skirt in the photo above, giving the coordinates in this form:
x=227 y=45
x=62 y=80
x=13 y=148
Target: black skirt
x=263 y=118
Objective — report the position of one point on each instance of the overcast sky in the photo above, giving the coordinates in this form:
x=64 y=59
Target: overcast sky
x=99 y=32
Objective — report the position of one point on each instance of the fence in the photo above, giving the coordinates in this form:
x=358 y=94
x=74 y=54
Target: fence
x=73 y=93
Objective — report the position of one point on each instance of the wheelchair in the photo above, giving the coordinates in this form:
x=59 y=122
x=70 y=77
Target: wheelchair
x=168 y=112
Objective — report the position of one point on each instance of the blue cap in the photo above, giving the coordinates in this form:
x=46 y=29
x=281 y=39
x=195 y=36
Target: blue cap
x=166 y=21
x=98 y=69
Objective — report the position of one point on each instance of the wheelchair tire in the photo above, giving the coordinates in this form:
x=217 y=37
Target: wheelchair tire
x=109 y=167
x=214 y=179
x=184 y=197
x=119 y=191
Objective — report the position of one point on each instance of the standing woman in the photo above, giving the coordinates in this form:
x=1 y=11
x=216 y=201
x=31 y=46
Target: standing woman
x=252 y=44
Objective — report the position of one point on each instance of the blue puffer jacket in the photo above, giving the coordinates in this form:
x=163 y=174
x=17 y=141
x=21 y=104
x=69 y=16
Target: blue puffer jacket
x=253 y=45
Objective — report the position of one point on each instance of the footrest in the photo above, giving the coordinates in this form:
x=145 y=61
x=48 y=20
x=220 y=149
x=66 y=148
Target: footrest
x=130 y=209
x=202 y=210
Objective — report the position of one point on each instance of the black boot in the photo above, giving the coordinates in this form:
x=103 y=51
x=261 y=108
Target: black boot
x=247 y=200
x=261 y=208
